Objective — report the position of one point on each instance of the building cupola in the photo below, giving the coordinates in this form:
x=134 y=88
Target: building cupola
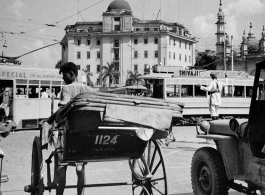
x=220 y=13
x=119 y=5
x=118 y=17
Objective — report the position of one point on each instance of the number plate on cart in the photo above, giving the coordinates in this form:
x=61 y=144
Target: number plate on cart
x=108 y=143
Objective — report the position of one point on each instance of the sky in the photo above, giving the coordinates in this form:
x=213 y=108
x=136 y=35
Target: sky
x=26 y=25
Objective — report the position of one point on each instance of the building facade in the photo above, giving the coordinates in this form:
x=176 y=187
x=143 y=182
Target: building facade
x=252 y=46
x=130 y=43
x=244 y=57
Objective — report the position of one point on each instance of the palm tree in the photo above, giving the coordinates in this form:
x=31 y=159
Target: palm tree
x=110 y=71
x=88 y=75
x=134 y=77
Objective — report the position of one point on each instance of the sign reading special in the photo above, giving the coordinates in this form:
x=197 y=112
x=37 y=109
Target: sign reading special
x=28 y=75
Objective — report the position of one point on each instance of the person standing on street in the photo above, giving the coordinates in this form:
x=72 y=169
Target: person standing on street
x=5 y=101
x=69 y=91
x=214 y=91
x=5 y=129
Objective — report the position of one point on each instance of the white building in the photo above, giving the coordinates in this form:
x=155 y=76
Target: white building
x=130 y=43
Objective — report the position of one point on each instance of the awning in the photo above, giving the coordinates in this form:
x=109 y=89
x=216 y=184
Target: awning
x=156 y=76
x=129 y=87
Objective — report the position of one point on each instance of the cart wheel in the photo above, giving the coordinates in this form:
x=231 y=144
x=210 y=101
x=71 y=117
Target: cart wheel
x=149 y=172
x=37 y=186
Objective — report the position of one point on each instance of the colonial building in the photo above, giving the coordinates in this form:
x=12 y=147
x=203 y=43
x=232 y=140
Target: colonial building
x=130 y=43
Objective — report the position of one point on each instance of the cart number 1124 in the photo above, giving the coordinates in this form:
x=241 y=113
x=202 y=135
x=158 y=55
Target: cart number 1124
x=106 y=139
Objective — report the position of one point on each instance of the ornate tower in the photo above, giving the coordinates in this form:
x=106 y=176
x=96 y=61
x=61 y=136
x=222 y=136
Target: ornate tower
x=244 y=45
x=220 y=34
x=253 y=43
x=262 y=42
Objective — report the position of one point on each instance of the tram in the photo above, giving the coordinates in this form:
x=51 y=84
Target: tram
x=181 y=86
x=26 y=85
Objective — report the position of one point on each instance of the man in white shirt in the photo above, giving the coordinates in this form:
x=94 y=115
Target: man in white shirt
x=214 y=89
x=69 y=91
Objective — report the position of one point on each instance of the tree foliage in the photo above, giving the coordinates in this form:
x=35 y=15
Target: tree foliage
x=206 y=61
x=134 y=77
x=110 y=71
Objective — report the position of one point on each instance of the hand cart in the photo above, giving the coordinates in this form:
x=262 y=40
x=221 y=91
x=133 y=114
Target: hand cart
x=85 y=137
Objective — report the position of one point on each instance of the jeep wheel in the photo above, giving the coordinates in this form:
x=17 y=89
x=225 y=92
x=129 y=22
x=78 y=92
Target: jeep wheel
x=208 y=175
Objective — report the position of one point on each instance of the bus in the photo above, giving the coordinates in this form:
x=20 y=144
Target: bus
x=28 y=105
x=181 y=86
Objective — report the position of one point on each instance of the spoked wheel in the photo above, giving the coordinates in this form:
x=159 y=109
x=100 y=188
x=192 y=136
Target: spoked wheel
x=37 y=186
x=208 y=174
x=149 y=172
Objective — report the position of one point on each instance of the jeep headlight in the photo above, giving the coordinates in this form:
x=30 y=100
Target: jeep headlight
x=234 y=125
x=238 y=126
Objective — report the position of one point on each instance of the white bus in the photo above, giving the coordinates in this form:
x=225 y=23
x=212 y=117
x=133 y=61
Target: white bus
x=181 y=86
x=26 y=85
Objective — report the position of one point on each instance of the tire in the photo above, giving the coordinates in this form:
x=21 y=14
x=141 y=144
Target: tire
x=37 y=186
x=154 y=183
x=208 y=174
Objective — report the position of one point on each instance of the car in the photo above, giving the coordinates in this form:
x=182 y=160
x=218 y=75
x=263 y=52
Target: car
x=238 y=160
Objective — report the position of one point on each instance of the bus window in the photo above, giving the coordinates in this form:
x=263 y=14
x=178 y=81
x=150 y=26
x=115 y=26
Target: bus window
x=56 y=88
x=172 y=90
x=45 y=89
x=227 y=91
x=186 y=91
x=199 y=92
x=33 y=91
x=248 y=91
x=239 y=91
x=21 y=88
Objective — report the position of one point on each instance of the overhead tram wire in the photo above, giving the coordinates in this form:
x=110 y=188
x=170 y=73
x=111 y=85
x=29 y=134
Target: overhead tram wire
x=79 y=11
x=30 y=51
x=65 y=18
x=37 y=23
x=20 y=16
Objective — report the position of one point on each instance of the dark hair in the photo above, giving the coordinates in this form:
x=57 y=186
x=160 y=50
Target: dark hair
x=68 y=67
x=213 y=75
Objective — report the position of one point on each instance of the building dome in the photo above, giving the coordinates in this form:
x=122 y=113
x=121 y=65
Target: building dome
x=253 y=45
x=119 y=5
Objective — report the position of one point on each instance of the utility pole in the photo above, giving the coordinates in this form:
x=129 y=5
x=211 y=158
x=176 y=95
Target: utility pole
x=224 y=47
x=232 y=54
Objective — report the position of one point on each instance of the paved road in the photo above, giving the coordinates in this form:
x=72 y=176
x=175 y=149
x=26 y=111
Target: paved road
x=17 y=164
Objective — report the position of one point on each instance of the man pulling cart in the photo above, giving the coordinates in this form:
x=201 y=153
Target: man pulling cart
x=97 y=127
